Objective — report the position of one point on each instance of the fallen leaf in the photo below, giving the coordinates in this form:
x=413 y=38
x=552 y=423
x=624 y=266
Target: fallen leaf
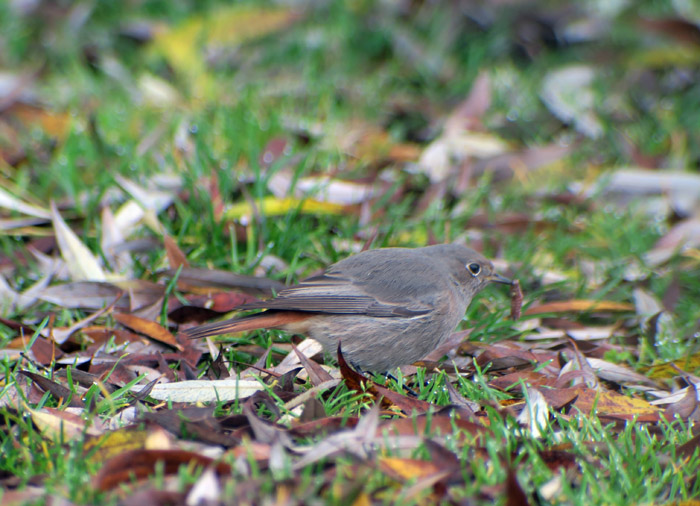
x=148 y=328
x=535 y=414
x=185 y=45
x=568 y=94
x=686 y=408
x=678 y=188
x=103 y=447
x=689 y=448
x=515 y=495
x=176 y=258
x=110 y=241
x=273 y=206
x=578 y=305
x=209 y=278
x=9 y=201
x=205 y=390
x=85 y=294
x=321 y=188
x=140 y=464
x=59 y=426
x=406 y=469
x=689 y=363
x=617 y=373
x=317 y=374
x=206 y=490
x=516 y=300
x=82 y=264
x=606 y=403
x=60 y=392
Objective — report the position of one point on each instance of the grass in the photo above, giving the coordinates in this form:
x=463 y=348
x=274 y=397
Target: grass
x=346 y=67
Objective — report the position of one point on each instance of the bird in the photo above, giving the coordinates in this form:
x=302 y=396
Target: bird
x=386 y=307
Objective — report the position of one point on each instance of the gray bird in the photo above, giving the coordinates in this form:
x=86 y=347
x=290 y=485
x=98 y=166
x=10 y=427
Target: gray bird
x=387 y=307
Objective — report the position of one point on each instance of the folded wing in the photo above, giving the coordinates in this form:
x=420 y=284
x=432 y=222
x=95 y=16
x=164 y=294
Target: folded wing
x=336 y=295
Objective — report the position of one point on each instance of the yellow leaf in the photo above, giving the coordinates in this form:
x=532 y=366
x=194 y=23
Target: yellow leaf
x=116 y=442
x=183 y=46
x=614 y=403
x=362 y=500
x=58 y=425
x=272 y=206
x=689 y=364
x=53 y=124
x=670 y=56
x=610 y=403
x=407 y=468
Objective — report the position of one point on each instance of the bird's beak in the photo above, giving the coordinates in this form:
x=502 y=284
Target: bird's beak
x=497 y=278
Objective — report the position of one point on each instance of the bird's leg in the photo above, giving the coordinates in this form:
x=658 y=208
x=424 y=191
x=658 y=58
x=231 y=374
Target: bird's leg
x=408 y=389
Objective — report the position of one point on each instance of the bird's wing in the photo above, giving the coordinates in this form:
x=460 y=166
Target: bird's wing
x=337 y=295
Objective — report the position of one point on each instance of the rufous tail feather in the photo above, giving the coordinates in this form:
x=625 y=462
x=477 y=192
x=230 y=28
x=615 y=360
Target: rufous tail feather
x=264 y=320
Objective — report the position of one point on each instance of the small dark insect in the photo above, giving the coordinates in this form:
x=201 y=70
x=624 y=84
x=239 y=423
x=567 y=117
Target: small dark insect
x=516 y=300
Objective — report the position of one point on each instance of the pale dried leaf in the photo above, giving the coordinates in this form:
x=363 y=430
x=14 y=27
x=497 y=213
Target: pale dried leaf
x=9 y=201
x=536 y=412
x=61 y=334
x=678 y=188
x=82 y=264
x=449 y=150
x=8 y=297
x=204 y=390
x=157 y=91
x=111 y=239
x=665 y=397
x=584 y=334
x=58 y=425
x=84 y=294
x=568 y=94
x=309 y=347
x=683 y=235
x=206 y=490
x=355 y=441
x=617 y=373
x=646 y=303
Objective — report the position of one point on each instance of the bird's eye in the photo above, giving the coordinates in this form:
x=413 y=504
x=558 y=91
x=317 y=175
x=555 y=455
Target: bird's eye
x=475 y=269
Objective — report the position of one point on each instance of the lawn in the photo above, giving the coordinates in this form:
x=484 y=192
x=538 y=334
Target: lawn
x=163 y=163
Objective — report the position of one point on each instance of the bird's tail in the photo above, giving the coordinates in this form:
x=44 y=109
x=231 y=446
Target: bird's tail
x=264 y=320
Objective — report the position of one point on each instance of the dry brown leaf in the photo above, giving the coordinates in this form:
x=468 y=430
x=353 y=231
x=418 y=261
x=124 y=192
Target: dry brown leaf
x=317 y=374
x=516 y=300
x=176 y=258
x=214 y=278
x=579 y=305
x=141 y=464
x=148 y=328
